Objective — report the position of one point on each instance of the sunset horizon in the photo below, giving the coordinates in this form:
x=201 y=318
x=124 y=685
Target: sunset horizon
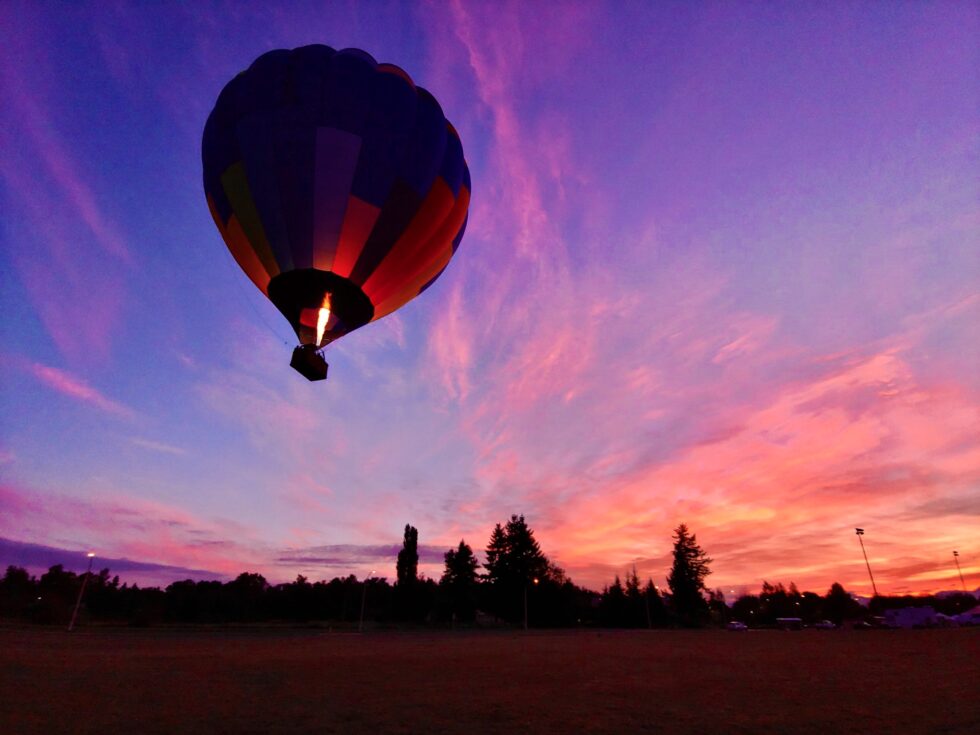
x=721 y=268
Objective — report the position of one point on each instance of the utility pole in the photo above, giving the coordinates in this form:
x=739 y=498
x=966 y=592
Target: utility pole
x=860 y=533
x=78 y=602
x=956 y=558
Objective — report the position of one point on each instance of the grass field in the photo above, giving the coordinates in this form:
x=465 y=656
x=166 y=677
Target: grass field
x=307 y=680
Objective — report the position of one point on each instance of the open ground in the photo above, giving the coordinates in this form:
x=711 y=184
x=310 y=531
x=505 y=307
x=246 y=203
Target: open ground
x=313 y=680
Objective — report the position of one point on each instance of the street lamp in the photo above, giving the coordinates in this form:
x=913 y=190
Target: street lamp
x=860 y=533
x=78 y=602
x=360 y=624
x=536 y=582
x=956 y=558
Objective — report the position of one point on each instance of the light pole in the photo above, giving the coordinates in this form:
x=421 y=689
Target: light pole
x=360 y=624
x=78 y=602
x=956 y=558
x=860 y=533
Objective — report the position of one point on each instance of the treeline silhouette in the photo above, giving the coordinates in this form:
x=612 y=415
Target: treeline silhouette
x=518 y=585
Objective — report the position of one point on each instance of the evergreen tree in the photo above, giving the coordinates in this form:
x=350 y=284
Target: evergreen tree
x=635 y=617
x=525 y=560
x=459 y=581
x=686 y=578
x=655 y=612
x=556 y=575
x=461 y=566
x=496 y=555
x=612 y=606
x=514 y=562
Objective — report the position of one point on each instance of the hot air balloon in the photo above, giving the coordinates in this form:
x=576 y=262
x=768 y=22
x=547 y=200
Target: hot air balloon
x=338 y=185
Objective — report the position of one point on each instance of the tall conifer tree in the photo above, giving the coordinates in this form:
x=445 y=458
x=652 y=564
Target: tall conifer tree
x=407 y=567
x=686 y=578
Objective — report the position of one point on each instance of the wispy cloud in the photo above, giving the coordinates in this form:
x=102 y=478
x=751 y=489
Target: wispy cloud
x=697 y=285
x=813 y=457
x=78 y=389
x=126 y=527
x=63 y=240
x=61 y=166
x=156 y=446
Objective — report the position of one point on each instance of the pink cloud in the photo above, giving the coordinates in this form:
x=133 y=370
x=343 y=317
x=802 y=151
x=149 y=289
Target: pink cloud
x=516 y=206
x=600 y=370
x=774 y=448
x=79 y=390
x=125 y=526
x=276 y=418
x=804 y=463
x=770 y=439
x=451 y=346
x=79 y=318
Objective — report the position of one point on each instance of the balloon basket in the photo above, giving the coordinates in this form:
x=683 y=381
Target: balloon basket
x=309 y=363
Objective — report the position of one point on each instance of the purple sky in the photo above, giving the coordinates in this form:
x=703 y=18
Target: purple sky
x=722 y=267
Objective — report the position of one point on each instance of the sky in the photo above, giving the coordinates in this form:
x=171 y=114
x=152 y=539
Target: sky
x=722 y=268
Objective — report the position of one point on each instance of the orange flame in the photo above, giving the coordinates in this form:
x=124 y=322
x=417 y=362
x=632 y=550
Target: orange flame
x=321 y=322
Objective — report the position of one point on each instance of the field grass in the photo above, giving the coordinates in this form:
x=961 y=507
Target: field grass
x=308 y=680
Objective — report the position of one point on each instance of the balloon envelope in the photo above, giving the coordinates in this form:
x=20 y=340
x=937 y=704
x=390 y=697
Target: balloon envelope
x=338 y=185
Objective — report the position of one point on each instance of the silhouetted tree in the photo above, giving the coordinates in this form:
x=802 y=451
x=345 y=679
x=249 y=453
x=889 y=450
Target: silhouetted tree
x=686 y=578
x=525 y=559
x=839 y=606
x=16 y=592
x=655 y=610
x=407 y=567
x=459 y=582
x=100 y=595
x=717 y=607
x=246 y=596
x=295 y=600
x=635 y=617
x=955 y=603
x=612 y=607
x=514 y=564
x=496 y=556
x=810 y=607
x=746 y=610
x=407 y=602
x=556 y=601
x=16 y=579
x=56 y=592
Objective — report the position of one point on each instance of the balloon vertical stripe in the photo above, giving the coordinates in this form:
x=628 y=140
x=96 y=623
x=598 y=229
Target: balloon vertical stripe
x=336 y=160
